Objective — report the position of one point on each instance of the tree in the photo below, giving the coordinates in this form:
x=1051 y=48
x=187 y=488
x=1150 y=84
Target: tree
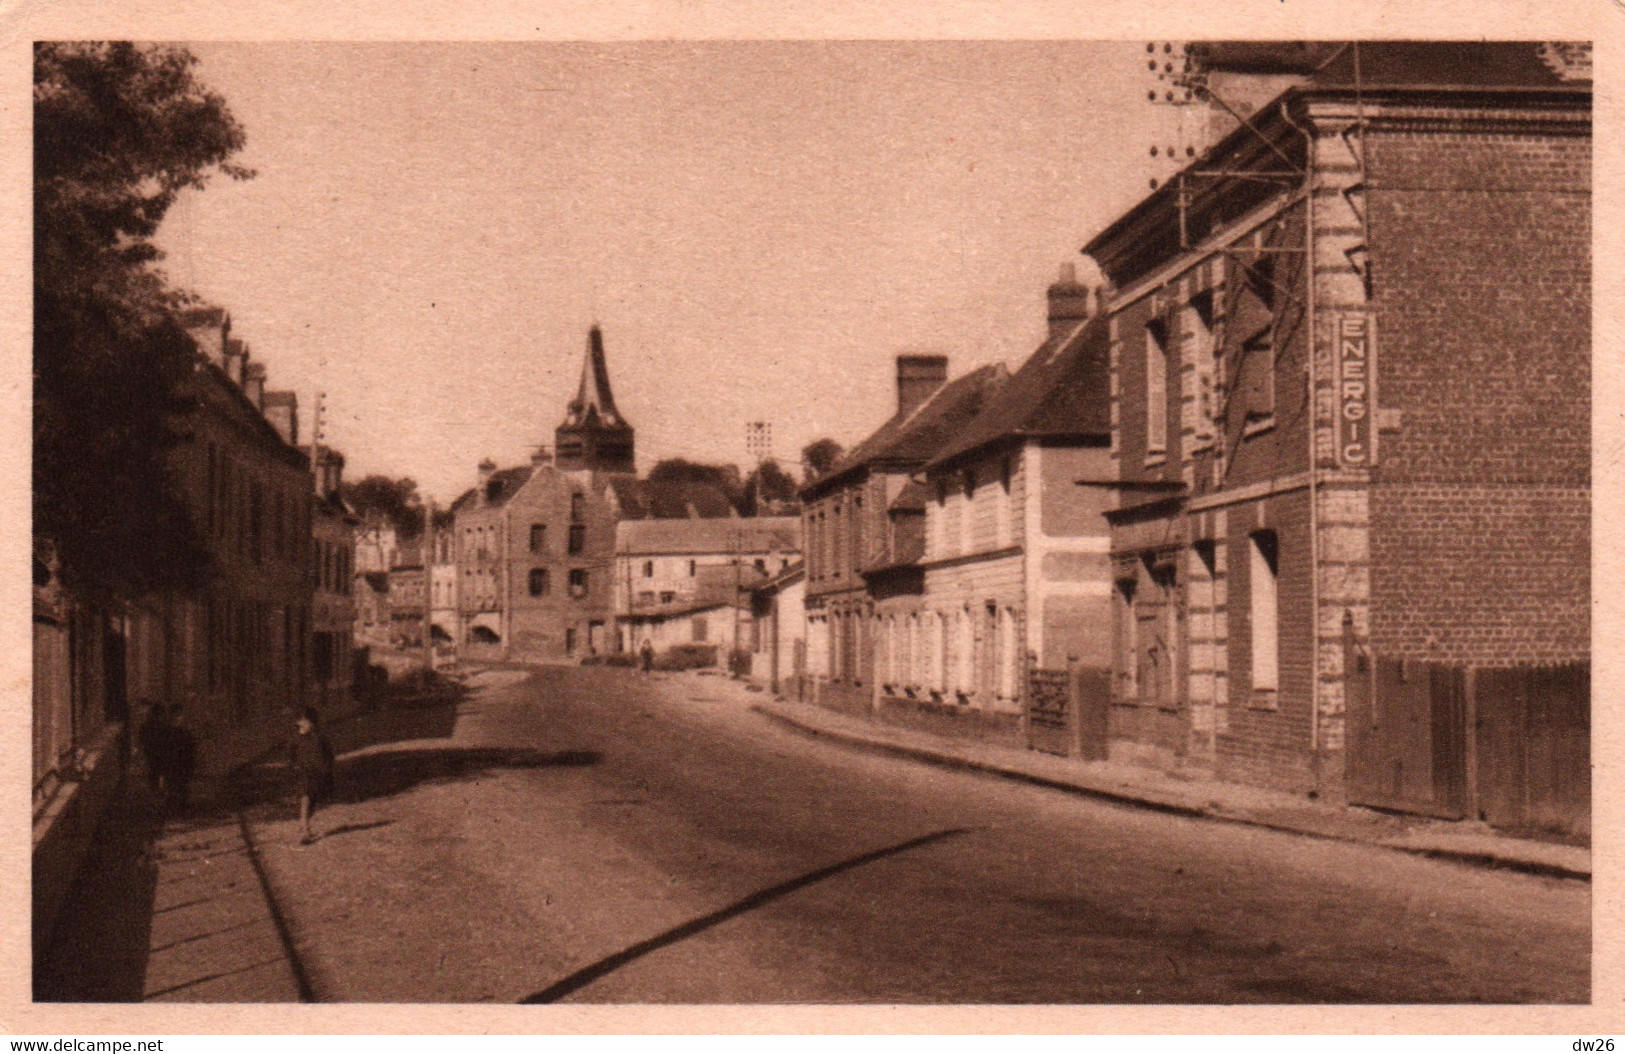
x=379 y=500
x=818 y=457
x=769 y=490
x=681 y=470
x=119 y=130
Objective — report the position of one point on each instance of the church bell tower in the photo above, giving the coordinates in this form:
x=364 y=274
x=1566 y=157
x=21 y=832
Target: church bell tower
x=594 y=437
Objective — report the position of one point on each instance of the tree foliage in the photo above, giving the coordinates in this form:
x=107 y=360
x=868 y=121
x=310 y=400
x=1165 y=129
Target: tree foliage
x=381 y=500
x=681 y=470
x=818 y=457
x=770 y=491
x=119 y=130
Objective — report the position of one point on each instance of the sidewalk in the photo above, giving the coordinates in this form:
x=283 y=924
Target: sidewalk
x=1466 y=842
x=168 y=912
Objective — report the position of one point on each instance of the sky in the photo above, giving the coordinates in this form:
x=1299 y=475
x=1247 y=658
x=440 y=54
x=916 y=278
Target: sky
x=758 y=227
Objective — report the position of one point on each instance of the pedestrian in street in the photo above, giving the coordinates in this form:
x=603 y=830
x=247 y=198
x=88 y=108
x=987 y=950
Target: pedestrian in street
x=310 y=757
x=647 y=654
x=179 y=752
x=153 y=737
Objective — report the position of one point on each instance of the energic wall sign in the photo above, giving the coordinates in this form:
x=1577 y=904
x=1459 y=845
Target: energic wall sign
x=1354 y=376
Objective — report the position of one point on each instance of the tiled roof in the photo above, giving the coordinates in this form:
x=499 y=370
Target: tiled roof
x=640 y=499
x=508 y=481
x=743 y=534
x=1060 y=391
x=911 y=498
x=914 y=438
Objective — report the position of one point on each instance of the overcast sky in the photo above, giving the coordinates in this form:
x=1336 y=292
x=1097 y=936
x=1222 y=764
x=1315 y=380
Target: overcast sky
x=758 y=227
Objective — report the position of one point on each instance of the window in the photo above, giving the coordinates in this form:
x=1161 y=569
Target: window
x=646 y=596
x=578 y=582
x=578 y=504
x=538 y=537
x=1197 y=325
x=578 y=538
x=693 y=568
x=1156 y=387
x=761 y=565
x=667 y=596
x=538 y=581
x=648 y=569
x=1262 y=580
x=699 y=629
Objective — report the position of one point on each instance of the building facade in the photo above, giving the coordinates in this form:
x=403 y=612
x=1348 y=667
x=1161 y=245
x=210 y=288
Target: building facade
x=847 y=518
x=1351 y=425
x=664 y=568
x=1016 y=546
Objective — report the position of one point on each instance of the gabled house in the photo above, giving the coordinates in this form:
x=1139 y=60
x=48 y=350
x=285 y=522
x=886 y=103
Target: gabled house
x=847 y=521
x=1015 y=564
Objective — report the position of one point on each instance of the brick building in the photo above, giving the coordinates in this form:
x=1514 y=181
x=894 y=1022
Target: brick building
x=1350 y=351
x=537 y=577
x=859 y=548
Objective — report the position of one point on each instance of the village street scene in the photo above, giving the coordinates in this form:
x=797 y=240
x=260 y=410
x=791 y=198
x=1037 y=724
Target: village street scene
x=809 y=523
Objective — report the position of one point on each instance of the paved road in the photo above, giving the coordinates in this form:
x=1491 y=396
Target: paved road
x=594 y=835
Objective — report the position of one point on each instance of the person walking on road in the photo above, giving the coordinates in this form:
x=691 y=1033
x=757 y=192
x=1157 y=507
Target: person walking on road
x=647 y=655
x=311 y=758
x=152 y=737
x=179 y=752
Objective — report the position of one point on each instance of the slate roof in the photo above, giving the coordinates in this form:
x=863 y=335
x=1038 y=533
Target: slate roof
x=1062 y=390
x=689 y=536
x=508 y=482
x=908 y=440
x=639 y=499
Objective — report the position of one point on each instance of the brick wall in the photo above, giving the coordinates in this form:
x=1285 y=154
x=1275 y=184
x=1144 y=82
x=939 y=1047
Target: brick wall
x=1480 y=505
x=1264 y=738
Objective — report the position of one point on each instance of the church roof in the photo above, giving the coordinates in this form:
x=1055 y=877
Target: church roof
x=594 y=404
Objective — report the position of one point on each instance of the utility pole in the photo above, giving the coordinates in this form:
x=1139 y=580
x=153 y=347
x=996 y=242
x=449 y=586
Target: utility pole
x=428 y=587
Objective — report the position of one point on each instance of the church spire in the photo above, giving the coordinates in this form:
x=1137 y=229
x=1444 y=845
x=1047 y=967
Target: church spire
x=594 y=437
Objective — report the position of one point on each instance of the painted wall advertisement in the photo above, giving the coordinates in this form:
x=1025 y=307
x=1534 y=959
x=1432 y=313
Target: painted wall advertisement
x=1354 y=378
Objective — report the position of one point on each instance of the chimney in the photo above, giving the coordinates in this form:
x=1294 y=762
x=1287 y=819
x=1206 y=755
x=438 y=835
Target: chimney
x=918 y=378
x=1068 y=302
x=236 y=354
x=282 y=410
x=487 y=467
x=254 y=383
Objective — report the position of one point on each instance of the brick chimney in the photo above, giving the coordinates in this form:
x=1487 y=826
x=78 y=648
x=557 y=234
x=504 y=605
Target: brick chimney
x=282 y=410
x=1068 y=302
x=254 y=383
x=236 y=353
x=918 y=378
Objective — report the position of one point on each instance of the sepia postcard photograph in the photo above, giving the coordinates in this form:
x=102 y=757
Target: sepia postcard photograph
x=1086 y=518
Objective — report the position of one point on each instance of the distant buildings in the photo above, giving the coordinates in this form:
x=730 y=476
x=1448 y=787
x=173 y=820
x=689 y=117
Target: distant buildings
x=539 y=569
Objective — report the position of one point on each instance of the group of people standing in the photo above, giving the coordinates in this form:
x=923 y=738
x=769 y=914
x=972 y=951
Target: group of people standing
x=170 y=751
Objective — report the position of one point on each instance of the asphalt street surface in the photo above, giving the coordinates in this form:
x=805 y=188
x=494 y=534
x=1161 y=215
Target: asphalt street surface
x=604 y=836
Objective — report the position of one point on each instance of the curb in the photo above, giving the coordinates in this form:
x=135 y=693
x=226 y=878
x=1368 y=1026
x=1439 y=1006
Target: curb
x=950 y=761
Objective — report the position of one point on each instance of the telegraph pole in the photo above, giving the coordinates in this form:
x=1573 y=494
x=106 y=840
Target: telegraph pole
x=428 y=587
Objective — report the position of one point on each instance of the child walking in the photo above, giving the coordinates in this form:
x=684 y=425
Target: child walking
x=311 y=758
